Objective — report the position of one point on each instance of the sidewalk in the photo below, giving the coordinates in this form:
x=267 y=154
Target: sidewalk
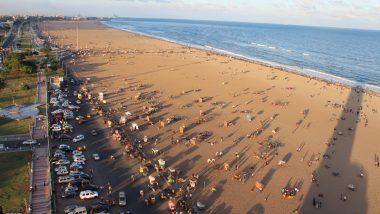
x=40 y=203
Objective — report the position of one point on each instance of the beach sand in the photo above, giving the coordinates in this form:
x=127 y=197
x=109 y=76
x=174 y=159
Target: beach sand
x=290 y=110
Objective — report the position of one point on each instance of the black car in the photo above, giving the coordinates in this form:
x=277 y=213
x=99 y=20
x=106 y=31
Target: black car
x=64 y=137
x=79 y=182
x=99 y=207
x=91 y=187
x=82 y=176
x=69 y=194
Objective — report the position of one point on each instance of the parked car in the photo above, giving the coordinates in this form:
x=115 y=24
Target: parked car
x=76 y=166
x=29 y=142
x=80 y=210
x=64 y=137
x=69 y=194
x=64 y=179
x=76 y=152
x=71 y=188
x=62 y=172
x=99 y=207
x=60 y=156
x=78 y=138
x=59 y=168
x=65 y=147
x=88 y=194
x=96 y=156
x=91 y=187
x=79 y=182
x=122 y=199
x=79 y=159
x=70 y=208
x=62 y=162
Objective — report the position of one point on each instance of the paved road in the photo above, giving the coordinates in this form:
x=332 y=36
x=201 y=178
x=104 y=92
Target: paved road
x=9 y=41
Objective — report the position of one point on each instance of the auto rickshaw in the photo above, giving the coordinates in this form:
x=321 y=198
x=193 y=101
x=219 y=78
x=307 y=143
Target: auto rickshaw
x=172 y=205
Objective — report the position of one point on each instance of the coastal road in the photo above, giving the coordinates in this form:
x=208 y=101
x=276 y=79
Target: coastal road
x=10 y=39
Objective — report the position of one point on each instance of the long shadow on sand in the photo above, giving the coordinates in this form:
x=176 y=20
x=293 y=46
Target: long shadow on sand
x=336 y=159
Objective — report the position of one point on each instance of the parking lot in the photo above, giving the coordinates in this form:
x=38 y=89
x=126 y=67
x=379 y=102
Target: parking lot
x=110 y=174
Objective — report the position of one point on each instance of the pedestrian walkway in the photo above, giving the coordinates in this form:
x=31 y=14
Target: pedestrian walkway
x=40 y=203
x=39 y=129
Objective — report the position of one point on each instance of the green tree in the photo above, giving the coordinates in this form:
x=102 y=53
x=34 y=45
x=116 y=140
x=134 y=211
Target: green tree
x=25 y=86
x=60 y=72
x=46 y=50
x=14 y=61
x=3 y=83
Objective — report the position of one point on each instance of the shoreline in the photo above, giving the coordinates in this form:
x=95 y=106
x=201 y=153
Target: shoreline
x=318 y=75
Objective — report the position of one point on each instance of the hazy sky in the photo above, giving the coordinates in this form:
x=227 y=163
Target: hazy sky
x=339 y=13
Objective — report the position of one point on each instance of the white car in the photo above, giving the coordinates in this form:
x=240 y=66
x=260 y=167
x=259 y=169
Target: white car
x=73 y=107
x=62 y=162
x=76 y=165
x=79 y=159
x=64 y=146
x=79 y=156
x=78 y=138
x=53 y=100
x=81 y=162
x=29 y=142
x=96 y=156
x=76 y=152
x=60 y=168
x=88 y=194
x=122 y=199
x=62 y=172
x=64 y=179
x=68 y=126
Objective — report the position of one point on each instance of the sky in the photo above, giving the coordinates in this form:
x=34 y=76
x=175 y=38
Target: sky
x=364 y=14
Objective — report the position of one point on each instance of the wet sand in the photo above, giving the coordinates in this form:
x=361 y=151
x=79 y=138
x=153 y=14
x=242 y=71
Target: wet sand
x=315 y=127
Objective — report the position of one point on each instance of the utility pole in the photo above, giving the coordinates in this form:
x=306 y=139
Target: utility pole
x=77 y=37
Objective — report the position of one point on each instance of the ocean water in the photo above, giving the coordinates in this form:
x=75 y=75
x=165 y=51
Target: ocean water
x=348 y=56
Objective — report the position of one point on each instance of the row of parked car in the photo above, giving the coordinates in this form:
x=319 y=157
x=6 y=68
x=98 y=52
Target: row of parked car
x=69 y=161
x=71 y=174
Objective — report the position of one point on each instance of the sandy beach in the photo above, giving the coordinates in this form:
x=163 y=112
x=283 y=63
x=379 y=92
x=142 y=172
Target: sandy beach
x=270 y=126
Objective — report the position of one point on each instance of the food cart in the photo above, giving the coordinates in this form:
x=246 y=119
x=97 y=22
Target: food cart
x=259 y=186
